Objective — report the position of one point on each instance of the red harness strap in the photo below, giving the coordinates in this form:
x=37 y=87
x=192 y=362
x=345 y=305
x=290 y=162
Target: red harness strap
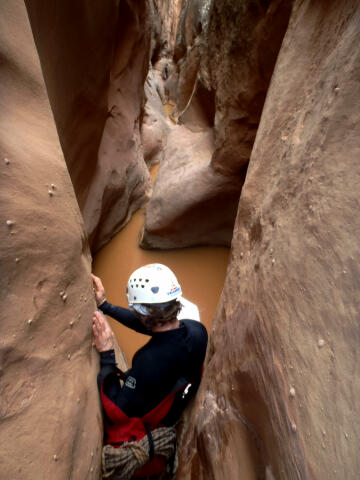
x=120 y=428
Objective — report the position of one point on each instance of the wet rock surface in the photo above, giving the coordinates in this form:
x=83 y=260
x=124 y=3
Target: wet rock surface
x=95 y=60
x=282 y=359
x=50 y=419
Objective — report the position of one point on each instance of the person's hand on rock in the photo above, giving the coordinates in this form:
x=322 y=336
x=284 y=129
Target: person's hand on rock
x=103 y=335
x=99 y=290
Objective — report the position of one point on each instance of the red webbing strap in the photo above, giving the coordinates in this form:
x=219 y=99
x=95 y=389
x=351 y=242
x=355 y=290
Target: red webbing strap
x=156 y=415
x=124 y=428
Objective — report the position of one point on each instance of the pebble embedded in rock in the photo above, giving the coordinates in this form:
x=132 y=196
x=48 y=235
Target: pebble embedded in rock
x=71 y=323
x=30 y=321
x=293 y=427
x=292 y=392
x=7 y=161
x=10 y=223
x=69 y=356
x=321 y=342
x=17 y=260
x=51 y=193
x=53 y=186
x=64 y=297
x=55 y=458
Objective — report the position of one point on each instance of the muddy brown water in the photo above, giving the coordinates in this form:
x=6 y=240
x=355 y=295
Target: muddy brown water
x=200 y=271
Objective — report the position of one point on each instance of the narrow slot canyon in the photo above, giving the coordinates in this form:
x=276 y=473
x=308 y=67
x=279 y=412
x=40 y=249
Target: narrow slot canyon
x=220 y=138
x=200 y=271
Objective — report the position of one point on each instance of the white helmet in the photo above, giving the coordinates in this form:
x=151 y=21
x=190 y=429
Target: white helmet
x=153 y=283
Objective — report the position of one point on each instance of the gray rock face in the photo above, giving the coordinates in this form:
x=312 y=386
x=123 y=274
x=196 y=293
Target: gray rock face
x=50 y=420
x=280 y=381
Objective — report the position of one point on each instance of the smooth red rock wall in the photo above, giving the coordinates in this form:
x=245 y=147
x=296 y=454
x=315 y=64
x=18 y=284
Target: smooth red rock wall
x=50 y=418
x=282 y=361
x=95 y=59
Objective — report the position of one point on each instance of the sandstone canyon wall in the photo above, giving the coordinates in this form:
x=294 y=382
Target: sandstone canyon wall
x=94 y=57
x=279 y=394
x=50 y=420
x=223 y=58
x=281 y=377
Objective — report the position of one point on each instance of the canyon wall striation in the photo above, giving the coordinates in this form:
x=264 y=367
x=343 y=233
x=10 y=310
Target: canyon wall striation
x=281 y=376
x=50 y=417
x=223 y=59
x=95 y=59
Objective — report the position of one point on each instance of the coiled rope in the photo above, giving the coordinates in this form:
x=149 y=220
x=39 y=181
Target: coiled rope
x=121 y=463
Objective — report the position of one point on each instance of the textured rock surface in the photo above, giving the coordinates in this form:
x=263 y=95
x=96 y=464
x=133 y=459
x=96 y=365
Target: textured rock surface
x=191 y=204
x=219 y=87
x=165 y=19
x=283 y=357
x=239 y=68
x=155 y=126
x=95 y=59
x=50 y=420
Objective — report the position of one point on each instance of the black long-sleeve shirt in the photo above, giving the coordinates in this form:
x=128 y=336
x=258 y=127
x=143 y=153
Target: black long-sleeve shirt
x=168 y=359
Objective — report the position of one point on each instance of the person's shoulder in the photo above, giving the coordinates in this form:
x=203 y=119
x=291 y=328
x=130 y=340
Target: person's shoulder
x=195 y=327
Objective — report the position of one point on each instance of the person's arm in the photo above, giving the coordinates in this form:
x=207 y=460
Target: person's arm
x=107 y=365
x=104 y=343
x=127 y=397
x=122 y=315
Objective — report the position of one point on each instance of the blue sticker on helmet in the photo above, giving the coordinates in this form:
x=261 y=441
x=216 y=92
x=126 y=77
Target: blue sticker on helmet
x=174 y=291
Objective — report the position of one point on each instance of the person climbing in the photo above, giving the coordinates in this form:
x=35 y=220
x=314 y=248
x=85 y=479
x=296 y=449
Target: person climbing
x=141 y=410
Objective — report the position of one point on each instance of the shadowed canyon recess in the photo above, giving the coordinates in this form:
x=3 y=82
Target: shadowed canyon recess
x=249 y=112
